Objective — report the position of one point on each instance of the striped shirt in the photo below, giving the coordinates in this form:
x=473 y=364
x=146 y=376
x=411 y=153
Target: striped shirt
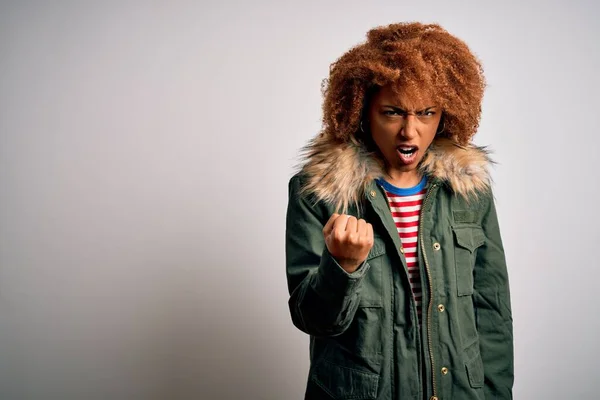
x=405 y=205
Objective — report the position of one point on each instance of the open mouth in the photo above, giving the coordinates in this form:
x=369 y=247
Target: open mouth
x=407 y=154
x=407 y=150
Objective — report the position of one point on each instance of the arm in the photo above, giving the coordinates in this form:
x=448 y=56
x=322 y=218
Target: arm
x=323 y=296
x=492 y=305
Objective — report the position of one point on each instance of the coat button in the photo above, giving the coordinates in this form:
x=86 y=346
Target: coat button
x=441 y=308
x=436 y=246
x=433 y=398
x=444 y=371
x=373 y=193
x=402 y=250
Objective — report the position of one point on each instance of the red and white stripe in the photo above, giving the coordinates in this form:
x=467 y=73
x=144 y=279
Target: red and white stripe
x=406 y=211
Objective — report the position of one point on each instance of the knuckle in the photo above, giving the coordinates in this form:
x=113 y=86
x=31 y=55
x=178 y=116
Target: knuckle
x=338 y=235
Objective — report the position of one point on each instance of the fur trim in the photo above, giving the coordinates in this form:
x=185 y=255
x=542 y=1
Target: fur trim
x=464 y=168
x=338 y=172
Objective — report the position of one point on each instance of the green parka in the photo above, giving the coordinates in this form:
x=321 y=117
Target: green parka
x=365 y=338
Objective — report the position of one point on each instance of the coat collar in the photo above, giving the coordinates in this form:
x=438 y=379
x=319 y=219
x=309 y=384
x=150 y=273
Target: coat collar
x=339 y=172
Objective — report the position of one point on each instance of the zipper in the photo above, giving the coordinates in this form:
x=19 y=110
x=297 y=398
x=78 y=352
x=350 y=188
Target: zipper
x=430 y=306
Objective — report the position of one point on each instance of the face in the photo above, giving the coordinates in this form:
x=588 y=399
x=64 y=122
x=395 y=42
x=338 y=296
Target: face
x=402 y=127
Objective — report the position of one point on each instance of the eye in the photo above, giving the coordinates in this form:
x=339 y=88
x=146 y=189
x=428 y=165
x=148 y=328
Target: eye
x=426 y=113
x=393 y=112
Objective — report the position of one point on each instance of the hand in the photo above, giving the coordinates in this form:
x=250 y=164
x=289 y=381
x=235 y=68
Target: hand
x=348 y=240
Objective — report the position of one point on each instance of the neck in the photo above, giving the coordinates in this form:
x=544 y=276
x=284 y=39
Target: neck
x=403 y=179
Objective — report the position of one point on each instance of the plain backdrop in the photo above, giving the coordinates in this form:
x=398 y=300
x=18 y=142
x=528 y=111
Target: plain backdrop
x=145 y=151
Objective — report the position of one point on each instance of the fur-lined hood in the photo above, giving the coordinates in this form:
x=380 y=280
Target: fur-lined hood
x=338 y=172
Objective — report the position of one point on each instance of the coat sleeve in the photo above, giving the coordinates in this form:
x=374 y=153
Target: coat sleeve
x=323 y=296
x=493 y=310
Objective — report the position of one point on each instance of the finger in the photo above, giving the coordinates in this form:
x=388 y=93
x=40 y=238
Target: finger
x=351 y=225
x=340 y=223
x=329 y=225
x=362 y=228
x=370 y=233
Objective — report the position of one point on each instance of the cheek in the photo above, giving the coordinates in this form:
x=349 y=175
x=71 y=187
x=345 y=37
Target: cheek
x=384 y=130
x=383 y=136
x=378 y=141
x=428 y=134
x=426 y=142
x=431 y=132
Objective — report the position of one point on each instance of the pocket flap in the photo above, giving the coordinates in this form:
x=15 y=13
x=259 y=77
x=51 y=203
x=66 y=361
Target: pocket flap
x=345 y=383
x=474 y=365
x=372 y=284
x=377 y=249
x=475 y=373
x=469 y=237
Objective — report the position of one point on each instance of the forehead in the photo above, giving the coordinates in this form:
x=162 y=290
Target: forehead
x=405 y=97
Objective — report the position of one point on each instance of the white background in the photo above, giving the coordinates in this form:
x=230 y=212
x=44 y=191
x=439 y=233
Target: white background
x=145 y=150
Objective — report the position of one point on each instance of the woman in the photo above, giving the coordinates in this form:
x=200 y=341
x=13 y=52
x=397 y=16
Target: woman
x=395 y=263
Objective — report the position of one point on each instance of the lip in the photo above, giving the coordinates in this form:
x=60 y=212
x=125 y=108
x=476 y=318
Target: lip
x=407 y=146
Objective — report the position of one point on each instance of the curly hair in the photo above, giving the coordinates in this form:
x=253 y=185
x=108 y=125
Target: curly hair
x=417 y=56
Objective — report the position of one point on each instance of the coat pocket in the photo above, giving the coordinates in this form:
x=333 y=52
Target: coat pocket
x=474 y=365
x=345 y=383
x=371 y=295
x=467 y=240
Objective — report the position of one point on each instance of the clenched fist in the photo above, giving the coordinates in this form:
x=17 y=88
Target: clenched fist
x=348 y=240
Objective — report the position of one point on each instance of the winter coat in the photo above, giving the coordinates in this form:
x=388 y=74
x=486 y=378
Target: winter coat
x=366 y=341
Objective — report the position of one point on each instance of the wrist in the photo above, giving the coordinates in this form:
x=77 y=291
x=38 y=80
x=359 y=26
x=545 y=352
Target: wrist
x=349 y=265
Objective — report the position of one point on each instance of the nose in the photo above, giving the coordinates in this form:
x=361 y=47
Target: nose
x=409 y=128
